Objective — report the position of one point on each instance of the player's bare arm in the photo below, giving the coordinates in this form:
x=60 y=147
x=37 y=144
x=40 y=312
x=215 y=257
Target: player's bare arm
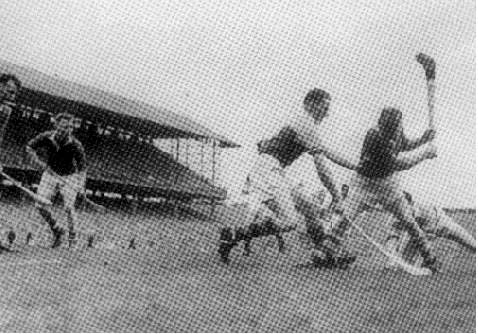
x=408 y=160
x=409 y=145
x=338 y=159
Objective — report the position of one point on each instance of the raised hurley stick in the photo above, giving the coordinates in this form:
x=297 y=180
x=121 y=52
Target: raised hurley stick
x=428 y=64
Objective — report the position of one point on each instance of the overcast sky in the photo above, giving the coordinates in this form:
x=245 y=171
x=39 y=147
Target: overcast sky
x=241 y=67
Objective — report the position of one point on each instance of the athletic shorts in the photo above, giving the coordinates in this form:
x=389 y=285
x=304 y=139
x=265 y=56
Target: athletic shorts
x=68 y=186
x=367 y=192
x=266 y=182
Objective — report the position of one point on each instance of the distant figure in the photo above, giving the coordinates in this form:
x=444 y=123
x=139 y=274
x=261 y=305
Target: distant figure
x=64 y=171
x=345 y=191
x=90 y=241
x=132 y=244
x=11 y=237
x=44 y=122
x=28 y=238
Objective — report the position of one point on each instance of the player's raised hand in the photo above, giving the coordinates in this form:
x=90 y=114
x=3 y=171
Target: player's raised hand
x=428 y=64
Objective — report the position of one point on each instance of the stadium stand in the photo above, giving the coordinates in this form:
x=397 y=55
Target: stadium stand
x=118 y=135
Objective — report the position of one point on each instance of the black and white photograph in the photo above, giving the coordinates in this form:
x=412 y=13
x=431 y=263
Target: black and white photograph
x=238 y=166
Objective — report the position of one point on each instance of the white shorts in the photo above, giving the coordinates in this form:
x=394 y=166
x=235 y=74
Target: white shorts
x=267 y=181
x=68 y=186
x=365 y=193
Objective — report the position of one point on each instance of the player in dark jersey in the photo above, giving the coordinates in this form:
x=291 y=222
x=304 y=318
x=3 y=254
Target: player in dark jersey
x=64 y=171
x=271 y=188
x=376 y=180
x=384 y=153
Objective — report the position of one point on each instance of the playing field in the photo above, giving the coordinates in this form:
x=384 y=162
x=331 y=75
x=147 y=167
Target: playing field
x=178 y=284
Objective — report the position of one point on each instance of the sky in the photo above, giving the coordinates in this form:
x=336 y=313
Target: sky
x=242 y=67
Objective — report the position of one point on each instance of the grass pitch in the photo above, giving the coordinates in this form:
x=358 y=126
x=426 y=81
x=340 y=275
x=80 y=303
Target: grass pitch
x=174 y=282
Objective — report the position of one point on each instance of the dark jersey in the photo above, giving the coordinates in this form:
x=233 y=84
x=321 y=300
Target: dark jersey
x=379 y=154
x=63 y=158
x=286 y=147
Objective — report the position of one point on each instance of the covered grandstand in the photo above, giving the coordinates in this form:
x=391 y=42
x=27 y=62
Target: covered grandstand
x=119 y=136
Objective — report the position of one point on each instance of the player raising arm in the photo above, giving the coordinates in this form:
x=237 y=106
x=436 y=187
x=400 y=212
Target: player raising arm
x=432 y=219
x=64 y=171
x=385 y=152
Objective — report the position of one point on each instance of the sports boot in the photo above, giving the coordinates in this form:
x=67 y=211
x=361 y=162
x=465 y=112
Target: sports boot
x=429 y=259
x=226 y=244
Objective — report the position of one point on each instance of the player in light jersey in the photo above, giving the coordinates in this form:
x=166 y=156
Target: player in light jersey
x=271 y=188
x=435 y=223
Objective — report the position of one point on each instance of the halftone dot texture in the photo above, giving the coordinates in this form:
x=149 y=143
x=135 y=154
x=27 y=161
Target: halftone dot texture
x=238 y=69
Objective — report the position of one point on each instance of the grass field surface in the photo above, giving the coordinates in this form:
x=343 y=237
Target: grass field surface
x=174 y=282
